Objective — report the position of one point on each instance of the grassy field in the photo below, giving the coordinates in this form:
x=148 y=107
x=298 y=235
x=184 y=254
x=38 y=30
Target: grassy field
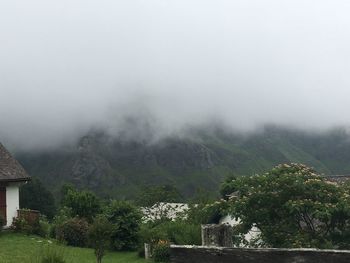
x=18 y=248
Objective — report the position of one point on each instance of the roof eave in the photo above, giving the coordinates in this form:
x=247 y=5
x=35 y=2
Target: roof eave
x=15 y=180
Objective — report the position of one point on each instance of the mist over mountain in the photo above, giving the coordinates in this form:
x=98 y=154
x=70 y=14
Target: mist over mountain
x=72 y=66
x=113 y=95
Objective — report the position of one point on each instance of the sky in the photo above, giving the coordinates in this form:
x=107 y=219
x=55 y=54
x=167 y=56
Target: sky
x=71 y=65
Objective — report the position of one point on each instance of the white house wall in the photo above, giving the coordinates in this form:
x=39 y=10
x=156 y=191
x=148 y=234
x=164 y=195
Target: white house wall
x=12 y=199
x=253 y=233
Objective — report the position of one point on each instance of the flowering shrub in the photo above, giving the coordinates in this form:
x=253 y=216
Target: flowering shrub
x=161 y=251
x=293 y=206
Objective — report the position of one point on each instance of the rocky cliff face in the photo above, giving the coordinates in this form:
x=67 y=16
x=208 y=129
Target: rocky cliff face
x=115 y=167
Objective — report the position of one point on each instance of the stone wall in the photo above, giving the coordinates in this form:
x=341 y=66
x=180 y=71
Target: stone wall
x=193 y=254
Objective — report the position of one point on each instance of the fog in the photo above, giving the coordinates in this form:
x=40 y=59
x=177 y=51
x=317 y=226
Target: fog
x=72 y=65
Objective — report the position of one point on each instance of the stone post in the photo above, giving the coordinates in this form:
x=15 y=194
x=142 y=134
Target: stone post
x=217 y=235
x=147 y=251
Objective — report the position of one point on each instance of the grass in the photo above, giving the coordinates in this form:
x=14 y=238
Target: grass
x=18 y=248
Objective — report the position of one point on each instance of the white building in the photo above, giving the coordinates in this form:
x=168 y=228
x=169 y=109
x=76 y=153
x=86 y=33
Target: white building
x=164 y=210
x=12 y=175
x=253 y=233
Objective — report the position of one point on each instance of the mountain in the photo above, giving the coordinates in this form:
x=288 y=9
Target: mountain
x=115 y=167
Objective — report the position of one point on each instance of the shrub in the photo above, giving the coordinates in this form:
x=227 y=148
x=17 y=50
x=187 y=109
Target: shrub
x=49 y=254
x=73 y=232
x=2 y=222
x=63 y=215
x=161 y=252
x=141 y=251
x=44 y=227
x=177 y=232
x=38 y=227
x=100 y=236
x=126 y=220
x=83 y=204
x=34 y=195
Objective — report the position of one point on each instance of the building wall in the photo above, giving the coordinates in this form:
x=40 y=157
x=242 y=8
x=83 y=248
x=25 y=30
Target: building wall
x=12 y=198
x=253 y=233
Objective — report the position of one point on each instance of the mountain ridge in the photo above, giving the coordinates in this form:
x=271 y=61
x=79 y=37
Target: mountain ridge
x=113 y=167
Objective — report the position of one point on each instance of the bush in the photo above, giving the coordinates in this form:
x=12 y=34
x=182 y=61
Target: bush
x=73 y=232
x=34 y=195
x=83 y=204
x=161 y=252
x=44 y=228
x=38 y=227
x=126 y=220
x=177 y=232
x=49 y=254
x=2 y=221
x=100 y=236
x=63 y=215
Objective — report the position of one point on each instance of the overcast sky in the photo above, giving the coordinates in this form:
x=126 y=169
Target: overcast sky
x=69 y=65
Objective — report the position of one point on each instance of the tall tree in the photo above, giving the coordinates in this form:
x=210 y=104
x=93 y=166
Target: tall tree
x=84 y=204
x=293 y=206
x=154 y=194
x=34 y=195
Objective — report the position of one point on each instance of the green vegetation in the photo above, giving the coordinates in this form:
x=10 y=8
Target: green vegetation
x=15 y=248
x=126 y=220
x=34 y=195
x=151 y=195
x=292 y=206
x=83 y=204
x=99 y=235
x=120 y=169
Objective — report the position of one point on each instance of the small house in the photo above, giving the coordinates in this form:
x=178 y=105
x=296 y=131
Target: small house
x=12 y=175
x=164 y=210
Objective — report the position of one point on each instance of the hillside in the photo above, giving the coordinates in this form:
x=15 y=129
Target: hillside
x=114 y=167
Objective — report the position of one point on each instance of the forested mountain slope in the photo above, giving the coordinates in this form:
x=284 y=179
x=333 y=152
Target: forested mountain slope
x=113 y=167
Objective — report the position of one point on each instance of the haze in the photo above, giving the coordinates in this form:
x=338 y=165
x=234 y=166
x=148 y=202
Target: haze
x=69 y=66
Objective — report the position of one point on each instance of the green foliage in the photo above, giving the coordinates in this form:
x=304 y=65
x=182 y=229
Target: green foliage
x=227 y=187
x=2 y=221
x=154 y=194
x=179 y=232
x=210 y=213
x=100 y=232
x=40 y=227
x=83 y=204
x=161 y=252
x=126 y=220
x=34 y=195
x=62 y=215
x=181 y=162
x=49 y=254
x=293 y=207
x=73 y=232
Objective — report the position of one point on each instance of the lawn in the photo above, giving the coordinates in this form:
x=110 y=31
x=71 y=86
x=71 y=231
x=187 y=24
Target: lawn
x=19 y=248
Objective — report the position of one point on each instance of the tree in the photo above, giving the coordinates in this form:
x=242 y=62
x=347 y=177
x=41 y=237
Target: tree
x=154 y=194
x=99 y=234
x=155 y=200
x=83 y=204
x=34 y=195
x=293 y=207
x=227 y=187
x=126 y=220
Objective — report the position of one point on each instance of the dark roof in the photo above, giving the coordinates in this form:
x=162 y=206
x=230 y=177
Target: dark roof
x=338 y=178
x=10 y=168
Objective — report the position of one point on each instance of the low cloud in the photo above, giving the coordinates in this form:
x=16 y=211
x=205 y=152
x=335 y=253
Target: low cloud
x=69 y=66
